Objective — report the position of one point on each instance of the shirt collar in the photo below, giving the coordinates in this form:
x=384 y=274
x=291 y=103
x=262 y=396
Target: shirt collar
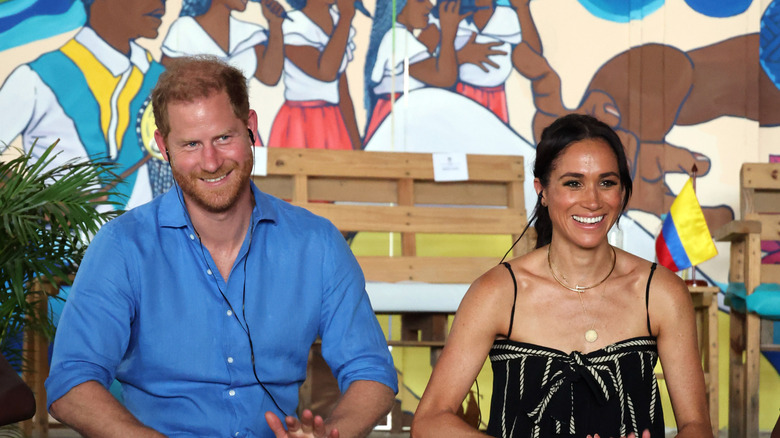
x=172 y=213
x=115 y=61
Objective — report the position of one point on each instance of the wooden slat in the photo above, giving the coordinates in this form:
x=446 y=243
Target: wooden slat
x=735 y=230
x=449 y=270
x=406 y=197
x=770 y=273
x=276 y=185
x=770 y=224
x=760 y=175
x=421 y=219
x=461 y=193
x=765 y=201
x=366 y=164
x=385 y=190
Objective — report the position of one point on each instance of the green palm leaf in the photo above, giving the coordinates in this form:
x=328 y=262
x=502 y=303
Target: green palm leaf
x=48 y=213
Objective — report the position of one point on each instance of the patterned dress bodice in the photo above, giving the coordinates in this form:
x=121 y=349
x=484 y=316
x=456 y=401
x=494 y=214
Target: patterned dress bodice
x=543 y=392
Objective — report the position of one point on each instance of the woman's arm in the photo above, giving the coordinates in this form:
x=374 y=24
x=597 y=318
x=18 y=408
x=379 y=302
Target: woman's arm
x=443 y=70
x=671 y=314
x=527 y=25
x=481 y=316
x=270 y=56
x=324 y=66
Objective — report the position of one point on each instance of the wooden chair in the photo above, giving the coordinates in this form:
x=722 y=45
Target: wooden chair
x=760 y=213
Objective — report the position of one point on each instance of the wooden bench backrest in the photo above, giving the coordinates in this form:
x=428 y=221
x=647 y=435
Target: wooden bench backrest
x=396 y=192
x=760 y=201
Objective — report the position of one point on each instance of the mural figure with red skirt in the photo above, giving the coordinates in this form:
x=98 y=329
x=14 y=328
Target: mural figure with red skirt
x=318 y=110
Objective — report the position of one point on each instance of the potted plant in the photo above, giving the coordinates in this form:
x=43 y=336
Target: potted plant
x=47 y=214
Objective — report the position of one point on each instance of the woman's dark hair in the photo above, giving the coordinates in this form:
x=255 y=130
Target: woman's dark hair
x=555 y=139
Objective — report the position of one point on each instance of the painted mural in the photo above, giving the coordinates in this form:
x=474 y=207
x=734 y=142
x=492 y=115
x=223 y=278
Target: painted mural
x=683 y=82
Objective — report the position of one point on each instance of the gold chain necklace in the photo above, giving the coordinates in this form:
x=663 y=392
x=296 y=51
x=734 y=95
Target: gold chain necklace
x=577 y=288
x=591 y=335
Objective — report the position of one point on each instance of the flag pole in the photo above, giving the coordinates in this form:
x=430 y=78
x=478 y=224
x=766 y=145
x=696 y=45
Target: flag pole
x=693 y=281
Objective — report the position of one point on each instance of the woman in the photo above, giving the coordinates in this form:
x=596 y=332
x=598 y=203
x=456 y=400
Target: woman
x=318 y=110
x=393 y=45
x=575 y=355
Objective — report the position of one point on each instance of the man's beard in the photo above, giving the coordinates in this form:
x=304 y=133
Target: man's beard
x=217 y=200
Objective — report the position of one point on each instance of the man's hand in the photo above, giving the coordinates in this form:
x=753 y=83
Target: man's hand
x=308 y=426
x=479 y=53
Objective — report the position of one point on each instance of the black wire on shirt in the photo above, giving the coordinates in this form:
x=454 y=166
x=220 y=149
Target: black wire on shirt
x=245 y=325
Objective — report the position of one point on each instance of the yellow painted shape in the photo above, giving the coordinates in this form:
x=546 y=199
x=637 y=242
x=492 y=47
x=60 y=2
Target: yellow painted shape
x=130 y=90
x=99 y=79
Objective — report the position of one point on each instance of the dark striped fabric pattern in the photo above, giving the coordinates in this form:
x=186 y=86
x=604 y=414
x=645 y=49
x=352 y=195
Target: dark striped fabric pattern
x=541 y=392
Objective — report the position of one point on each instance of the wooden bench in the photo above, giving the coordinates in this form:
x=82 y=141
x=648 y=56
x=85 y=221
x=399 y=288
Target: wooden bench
x=760 y=220
x=395 y=192
x=389 y=192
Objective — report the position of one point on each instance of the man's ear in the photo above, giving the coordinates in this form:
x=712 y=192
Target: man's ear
x=160 y=140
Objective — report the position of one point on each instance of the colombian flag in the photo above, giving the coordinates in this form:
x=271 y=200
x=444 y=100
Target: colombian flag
x=684 y=240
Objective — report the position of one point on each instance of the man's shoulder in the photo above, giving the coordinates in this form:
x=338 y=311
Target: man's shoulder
x=135 y=220
x=287 y=214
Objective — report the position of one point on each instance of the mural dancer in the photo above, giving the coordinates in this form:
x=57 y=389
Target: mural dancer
x=92 y=94
x=502 y=25
x=384 y=72
x=699 y=86
x=206 y=27
x=318 y=110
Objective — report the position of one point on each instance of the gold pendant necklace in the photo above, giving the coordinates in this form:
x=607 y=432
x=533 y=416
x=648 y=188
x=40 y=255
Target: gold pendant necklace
x=591 y=335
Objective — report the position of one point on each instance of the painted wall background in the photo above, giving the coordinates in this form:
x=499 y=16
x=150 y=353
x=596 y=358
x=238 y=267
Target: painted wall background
x=681 y=79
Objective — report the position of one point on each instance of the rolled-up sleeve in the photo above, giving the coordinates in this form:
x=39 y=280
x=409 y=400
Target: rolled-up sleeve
x=352 y=340
x=94 y=330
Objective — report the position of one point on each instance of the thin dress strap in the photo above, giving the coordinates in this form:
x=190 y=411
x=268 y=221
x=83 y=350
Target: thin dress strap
x=514 y=302
x=647 y=298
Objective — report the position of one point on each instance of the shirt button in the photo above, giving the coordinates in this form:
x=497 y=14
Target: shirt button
x=229 y=313
x=208 y=271
x=232 y=392
x=192 y=237
x=230 y=360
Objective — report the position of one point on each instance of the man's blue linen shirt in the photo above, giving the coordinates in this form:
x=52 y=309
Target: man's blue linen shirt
x=145 y=308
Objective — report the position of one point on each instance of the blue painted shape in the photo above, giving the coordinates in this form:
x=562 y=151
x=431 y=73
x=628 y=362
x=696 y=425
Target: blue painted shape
x=719 y=8
x=621 y=11
x=24 y=21
x=769 y=45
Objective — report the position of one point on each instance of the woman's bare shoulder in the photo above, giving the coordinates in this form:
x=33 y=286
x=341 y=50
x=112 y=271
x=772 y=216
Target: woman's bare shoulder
x=486 y=308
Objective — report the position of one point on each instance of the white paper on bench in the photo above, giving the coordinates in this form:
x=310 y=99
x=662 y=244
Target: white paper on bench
x=411 y=296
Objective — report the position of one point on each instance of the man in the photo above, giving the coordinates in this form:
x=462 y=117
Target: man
x=204 y=302
x=92 y=94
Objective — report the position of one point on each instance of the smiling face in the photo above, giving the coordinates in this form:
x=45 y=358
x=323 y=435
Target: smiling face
x=209 y=151
x=583 y=196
